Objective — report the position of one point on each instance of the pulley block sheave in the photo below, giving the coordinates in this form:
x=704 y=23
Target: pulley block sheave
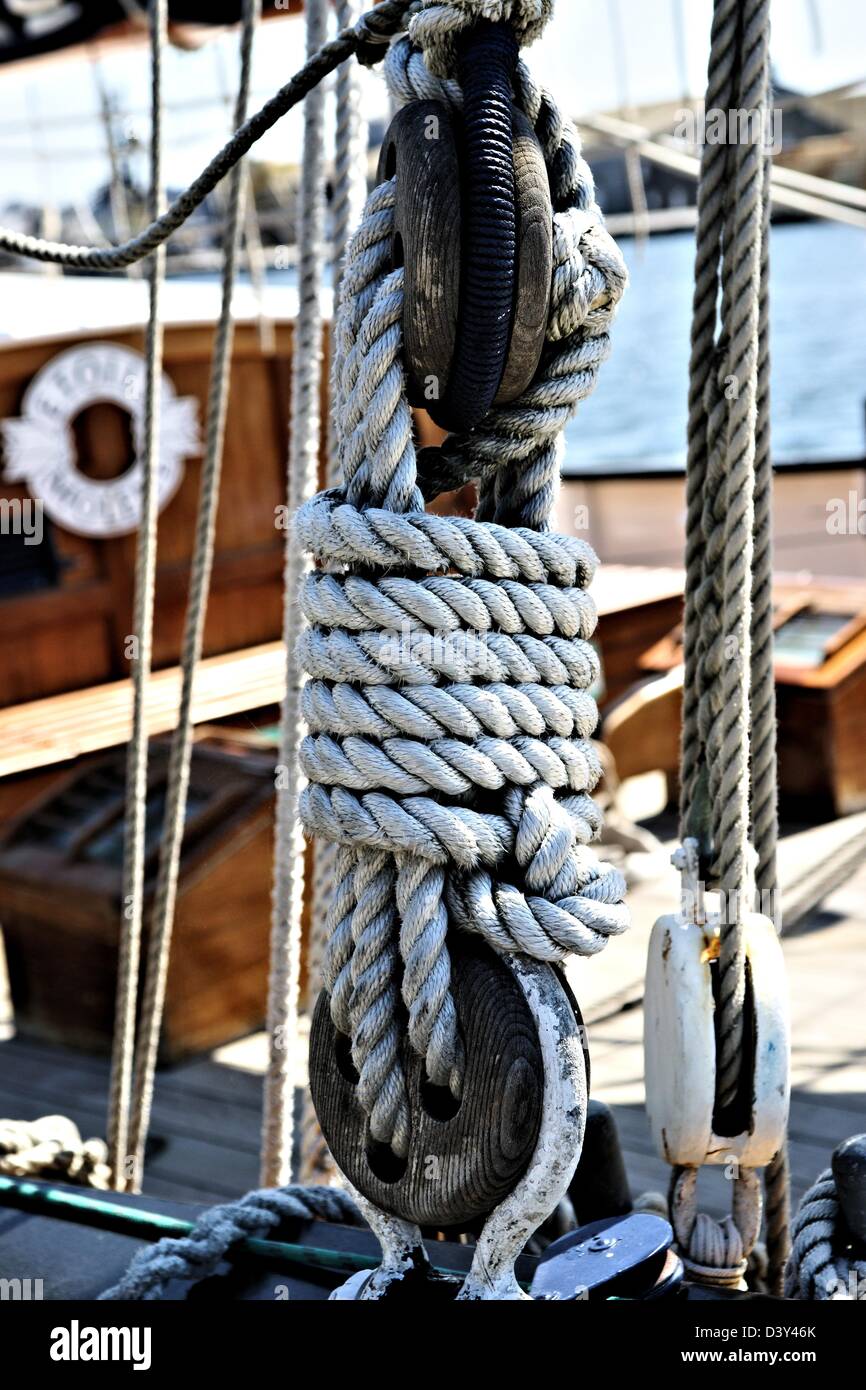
x=474 y=234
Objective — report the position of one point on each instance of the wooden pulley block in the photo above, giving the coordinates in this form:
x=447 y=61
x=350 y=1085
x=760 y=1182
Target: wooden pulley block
x=680 y=1044
x=464 y=1156
x=502 y=1159
x=423 y=148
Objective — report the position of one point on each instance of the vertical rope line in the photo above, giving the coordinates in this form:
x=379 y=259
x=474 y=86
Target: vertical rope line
x=350 y=180
x=708 y=240
x=764 y=780
x=350 y=191
x=129 y=943
x=742 y=332
x=728 y=738
x=777 y=1196
x=288 y=887
x=159 y=941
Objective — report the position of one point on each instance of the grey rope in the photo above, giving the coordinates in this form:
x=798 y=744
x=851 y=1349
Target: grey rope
x=728 y=743
x=303 y=469
x=132 y=906
x=159 y=943
x=731 y=810
x=727 y=379
x=816 y=1270
x=458 y=684
x=350 y=191
x=368 y=38
x=763 y=732
x=258 y=1215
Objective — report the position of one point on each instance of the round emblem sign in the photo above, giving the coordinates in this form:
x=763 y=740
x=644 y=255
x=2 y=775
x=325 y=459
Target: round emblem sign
x=40 y=447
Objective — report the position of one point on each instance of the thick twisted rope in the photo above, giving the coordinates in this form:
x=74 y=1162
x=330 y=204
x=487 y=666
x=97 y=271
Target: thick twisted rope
x=447 y=704
x=816 y=1269
x=258 y=1215
x=740 y=326
x=132 y=903
x=729 y=690
x=303 y=471
x=159 y=942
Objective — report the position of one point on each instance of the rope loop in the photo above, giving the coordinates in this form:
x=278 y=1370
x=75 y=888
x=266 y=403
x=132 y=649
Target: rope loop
x=716 y=1253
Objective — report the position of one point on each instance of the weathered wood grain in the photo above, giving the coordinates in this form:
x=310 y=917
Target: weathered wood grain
x=460 y=1165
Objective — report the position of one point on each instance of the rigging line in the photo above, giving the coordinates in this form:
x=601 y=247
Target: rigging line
x=374 y=28
x=251 y=240
x=159 y=942
x=135 y=824
x=302 y=480
x=350 y=191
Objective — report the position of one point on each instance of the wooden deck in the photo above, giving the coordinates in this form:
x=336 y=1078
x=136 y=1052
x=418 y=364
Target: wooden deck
x=206 y=1118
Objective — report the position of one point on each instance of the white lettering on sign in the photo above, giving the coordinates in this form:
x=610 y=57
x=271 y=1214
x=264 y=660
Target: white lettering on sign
x=40 y=446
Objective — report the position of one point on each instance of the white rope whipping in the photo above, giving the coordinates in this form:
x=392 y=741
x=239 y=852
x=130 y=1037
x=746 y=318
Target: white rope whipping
x=448 y=752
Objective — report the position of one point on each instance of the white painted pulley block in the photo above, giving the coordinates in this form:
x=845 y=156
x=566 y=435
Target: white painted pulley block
x=680 y=1044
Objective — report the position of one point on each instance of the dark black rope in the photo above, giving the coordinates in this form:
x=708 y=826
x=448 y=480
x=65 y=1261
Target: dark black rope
x=368 y=38
x=486 y=59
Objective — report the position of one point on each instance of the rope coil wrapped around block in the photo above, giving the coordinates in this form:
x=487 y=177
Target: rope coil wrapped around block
x=449 y=662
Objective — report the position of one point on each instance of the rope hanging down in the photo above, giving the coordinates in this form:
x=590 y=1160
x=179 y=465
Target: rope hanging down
x=159 y=943
x=729 y=691
x=350 y=192
x=132 y=903
x=448 y=751
x=302 y=480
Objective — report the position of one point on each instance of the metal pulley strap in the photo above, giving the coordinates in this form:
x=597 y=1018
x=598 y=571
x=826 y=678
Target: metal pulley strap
x=486 y=59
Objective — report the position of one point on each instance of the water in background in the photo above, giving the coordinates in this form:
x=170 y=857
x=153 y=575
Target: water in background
x=636 y=417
